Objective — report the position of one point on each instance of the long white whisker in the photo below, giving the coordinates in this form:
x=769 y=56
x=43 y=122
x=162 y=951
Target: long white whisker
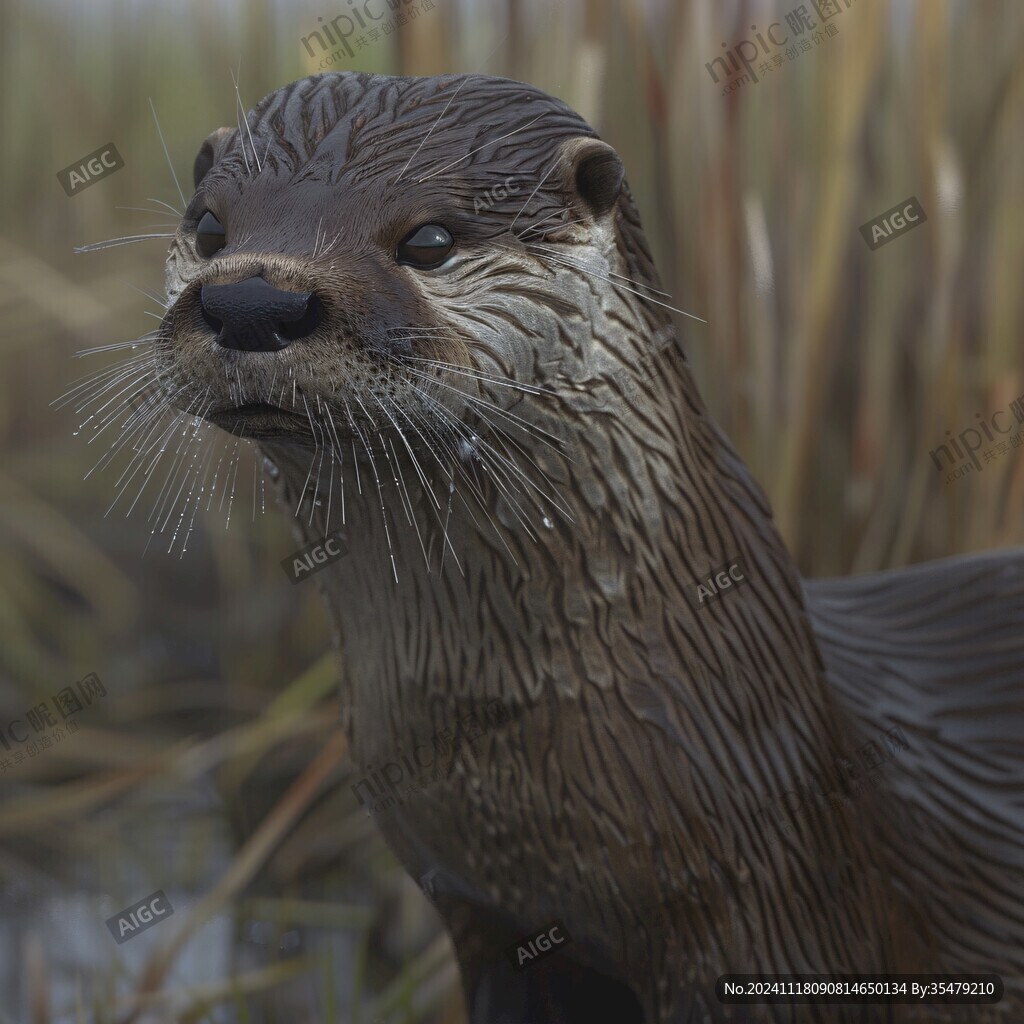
x=607 y=280
x=111 y=243
x=431 y=132
x=159 y=132
x=554 y=164
x=508 y=135
x=582 y=266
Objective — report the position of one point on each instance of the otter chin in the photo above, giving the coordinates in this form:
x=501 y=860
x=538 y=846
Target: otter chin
x=431 y=304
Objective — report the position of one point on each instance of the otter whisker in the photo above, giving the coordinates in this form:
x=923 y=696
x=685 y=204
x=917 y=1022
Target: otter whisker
x=95 y=385
x=607 y=280
x=257 y=473
x=198 y=502
x=111 y=243
x=341 y=461
x=236 y=462
x=316 y=237
x=400 y=478
x=330 y=488
x=320 y=449
x=163 y=302
x=90 y=379
x=100 y=388
x=628 y=280
x=116 y=412
x=446 y=471
x=305 y=486
x=141 y=458
x=233 y=464
x=547 y=174
x=449 y=472
x=213 y=486
x=188 y=499
x=149 y=411
x=504 y=439
x=506 y=462
x=507 y=135
x=154 y=418
x=402 y=495
x=528 y=428
x=273 y=381
x=332 y=244
x=546 y=232
x=415 y=523
x=145 y=483
x=431 y=131
x=179 y=464
x=167 y=155
x=380 y=491
x=473 y=445
x=160 y=446
x=556 y=215
x=477 y=374
x=144 y=209
x=147 y=371
x=176 y=212
x=408 y=448
x=240 y=109
x=144 y=339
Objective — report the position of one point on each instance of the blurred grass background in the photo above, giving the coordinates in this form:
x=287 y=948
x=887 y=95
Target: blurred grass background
x=212 y=769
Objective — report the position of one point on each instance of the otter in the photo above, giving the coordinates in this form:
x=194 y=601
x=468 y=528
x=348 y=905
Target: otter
x=483 y=389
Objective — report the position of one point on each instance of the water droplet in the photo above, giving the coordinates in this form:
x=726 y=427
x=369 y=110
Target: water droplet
x=548 y=523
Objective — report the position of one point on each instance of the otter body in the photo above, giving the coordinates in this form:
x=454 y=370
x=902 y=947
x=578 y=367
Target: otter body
x=431 y=303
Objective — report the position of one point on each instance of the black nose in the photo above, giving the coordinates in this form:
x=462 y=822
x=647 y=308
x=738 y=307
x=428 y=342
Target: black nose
x=253 y=316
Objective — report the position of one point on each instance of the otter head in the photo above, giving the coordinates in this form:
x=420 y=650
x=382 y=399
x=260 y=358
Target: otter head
x=399 y=264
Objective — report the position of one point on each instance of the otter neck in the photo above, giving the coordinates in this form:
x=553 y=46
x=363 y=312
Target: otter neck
x=511 y=591
x=600 y=611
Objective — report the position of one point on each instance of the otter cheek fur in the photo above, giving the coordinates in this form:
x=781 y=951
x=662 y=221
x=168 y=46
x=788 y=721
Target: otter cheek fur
x=489 y=399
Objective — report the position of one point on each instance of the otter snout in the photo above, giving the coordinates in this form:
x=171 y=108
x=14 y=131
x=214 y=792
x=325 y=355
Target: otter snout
x=254 y=316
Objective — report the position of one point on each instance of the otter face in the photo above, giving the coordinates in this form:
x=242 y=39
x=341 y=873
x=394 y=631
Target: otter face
x=372 y=255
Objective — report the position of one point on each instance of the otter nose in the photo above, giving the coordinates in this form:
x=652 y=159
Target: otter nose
x=253 y=316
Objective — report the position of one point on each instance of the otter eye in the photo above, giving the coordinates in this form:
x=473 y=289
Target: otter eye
x=210 y=235
x=426 y=248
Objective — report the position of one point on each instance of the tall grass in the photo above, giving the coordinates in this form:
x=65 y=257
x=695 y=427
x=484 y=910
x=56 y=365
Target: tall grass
x=835 y=369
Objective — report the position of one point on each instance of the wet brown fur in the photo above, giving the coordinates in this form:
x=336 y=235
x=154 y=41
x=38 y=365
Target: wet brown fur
x=623 y=797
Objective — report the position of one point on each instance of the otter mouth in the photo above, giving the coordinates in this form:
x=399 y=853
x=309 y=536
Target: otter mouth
x=260 y=419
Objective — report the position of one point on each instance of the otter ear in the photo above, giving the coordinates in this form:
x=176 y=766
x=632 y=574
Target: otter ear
x=594 y=171
x=209 y=153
